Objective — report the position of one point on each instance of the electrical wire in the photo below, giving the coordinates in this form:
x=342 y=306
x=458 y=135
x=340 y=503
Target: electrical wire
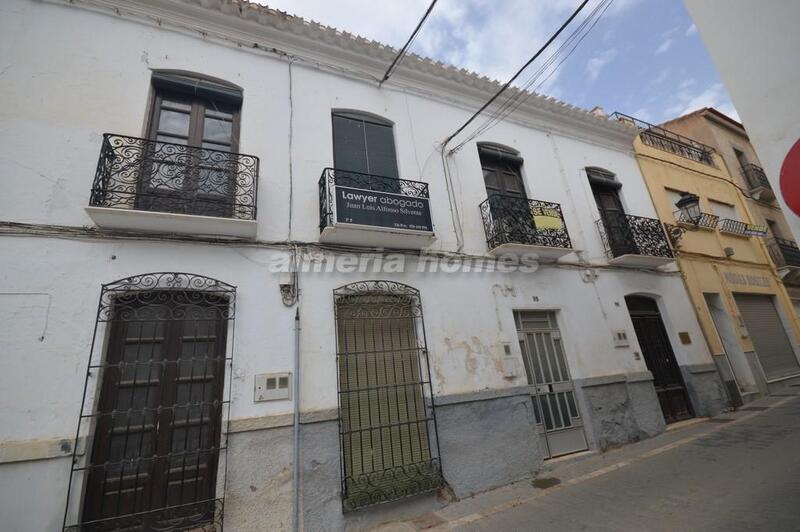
x=521 y=95
x=517 y=74
x=399 y=57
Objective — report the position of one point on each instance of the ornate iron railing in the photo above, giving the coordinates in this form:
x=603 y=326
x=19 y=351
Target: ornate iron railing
x=737 y=227
x=333 y=177
x=513 y=220
x=387 y=421
x=663 y=139
x=142 y=174
x=625 y=234
x=706 y=220
x=155 y=410
x=784 y=252
x=755 y=176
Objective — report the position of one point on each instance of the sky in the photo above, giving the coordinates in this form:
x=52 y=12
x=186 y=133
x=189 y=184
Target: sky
x=643 y=57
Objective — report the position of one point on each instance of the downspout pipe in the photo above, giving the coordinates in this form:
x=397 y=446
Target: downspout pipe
x=296 y=439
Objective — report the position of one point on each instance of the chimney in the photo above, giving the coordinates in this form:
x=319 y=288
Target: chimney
x=598 y=112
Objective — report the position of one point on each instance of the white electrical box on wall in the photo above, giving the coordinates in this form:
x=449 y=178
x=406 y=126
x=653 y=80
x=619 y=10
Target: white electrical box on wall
x=621 y=339
x=272 y=387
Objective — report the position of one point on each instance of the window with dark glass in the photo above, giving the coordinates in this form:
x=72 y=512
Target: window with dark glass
x=512 y=220
x=363 y=143
x=197 y=114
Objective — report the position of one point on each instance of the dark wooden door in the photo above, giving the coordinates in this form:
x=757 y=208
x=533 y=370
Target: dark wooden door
x=508 y=202
x=660 y=359
x=615 y=222
x=191 y=181
x=156 y=443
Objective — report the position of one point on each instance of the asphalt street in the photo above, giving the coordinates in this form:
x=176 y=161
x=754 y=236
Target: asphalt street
x=735 y=473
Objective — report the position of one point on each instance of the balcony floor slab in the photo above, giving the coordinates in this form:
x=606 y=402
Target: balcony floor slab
x=167 y=222
x=377 y=237
x=543 y=252
x=630 y=260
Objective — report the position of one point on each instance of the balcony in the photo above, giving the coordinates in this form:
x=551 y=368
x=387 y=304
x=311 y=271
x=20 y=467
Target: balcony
x=786 y=256
x=372 y=210
x=757 y=182
x=706 y=220
x=665 y=140
x=151 y=186
x=634 y=241
x=519 y=226
x=739 y=228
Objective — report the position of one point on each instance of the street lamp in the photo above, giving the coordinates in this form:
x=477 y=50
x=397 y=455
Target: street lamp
x=689 y=205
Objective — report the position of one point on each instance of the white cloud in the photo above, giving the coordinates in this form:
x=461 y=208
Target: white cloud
x=490 y=38
x=665 y=45
x=688 y=101
x=691 y=30
x=596 y=64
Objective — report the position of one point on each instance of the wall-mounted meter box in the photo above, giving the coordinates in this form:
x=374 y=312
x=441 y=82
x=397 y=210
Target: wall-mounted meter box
x=272 y=387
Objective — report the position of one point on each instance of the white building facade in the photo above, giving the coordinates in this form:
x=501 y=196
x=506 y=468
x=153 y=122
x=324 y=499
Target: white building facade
x=758 y=68
x=199 y=193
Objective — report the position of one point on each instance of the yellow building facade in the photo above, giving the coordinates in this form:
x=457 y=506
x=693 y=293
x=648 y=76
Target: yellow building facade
x=743 y=307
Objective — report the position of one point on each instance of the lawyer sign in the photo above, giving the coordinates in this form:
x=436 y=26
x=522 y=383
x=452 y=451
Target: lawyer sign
x=382 y=209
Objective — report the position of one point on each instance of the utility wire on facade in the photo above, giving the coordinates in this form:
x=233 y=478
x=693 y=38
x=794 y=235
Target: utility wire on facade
x=404 y=49
x=520 y=96
x=518 y=73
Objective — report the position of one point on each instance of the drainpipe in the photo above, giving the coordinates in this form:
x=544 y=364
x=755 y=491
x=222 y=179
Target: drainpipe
x=296 y=442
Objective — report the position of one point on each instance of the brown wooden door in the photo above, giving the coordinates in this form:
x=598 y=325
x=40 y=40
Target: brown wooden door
x=156 y=443
x=200 y=181
x=508 y=201
x=618 y=231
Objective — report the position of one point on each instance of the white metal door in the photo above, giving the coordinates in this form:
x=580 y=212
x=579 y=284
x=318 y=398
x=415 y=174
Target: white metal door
x=557 y=415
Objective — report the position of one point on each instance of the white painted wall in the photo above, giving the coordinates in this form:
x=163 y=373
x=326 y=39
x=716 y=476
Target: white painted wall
x=72 y=74
x=754 y=46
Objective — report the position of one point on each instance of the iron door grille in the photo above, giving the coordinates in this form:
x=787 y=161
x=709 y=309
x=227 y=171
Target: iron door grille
x=154 y=434
x=388 y=436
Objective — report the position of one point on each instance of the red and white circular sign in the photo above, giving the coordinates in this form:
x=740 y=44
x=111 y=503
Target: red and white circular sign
x=790 y=178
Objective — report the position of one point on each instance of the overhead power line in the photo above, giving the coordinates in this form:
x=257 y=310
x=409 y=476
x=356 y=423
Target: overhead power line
x=513 y=101
x=399 y=57
x=518 y=73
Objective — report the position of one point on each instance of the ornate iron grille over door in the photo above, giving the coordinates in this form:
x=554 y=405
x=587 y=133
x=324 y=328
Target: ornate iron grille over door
x=660 y=359
x=153 y=460
x=387 y=422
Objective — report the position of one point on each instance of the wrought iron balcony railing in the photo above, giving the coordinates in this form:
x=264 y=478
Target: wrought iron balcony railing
x=663 y=139
x=513 y=220
x=784 y=252
x=755 y=176
x=706 y=220
x=625 y=234
x=737 y=227
x=332 y=177
x=142 y=174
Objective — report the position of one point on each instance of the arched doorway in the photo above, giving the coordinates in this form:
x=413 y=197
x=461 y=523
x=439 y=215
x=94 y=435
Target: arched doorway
x=660 y=359
x=388 y=437
x=156 y=431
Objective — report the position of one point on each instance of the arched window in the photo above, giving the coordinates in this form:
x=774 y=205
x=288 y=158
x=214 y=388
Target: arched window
x=502 y=170
x=388 y=441
x=363 y=143
x=154 y=433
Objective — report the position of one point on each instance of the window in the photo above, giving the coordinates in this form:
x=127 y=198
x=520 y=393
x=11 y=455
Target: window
x=502 y=170
x=741 y=157
x=673 y=197
x=363 y=143
x=155 y=434
x=198 y=114
x=388 y=429
x=725 y=211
